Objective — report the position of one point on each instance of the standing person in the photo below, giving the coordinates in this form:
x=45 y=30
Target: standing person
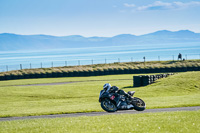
x=180 y=56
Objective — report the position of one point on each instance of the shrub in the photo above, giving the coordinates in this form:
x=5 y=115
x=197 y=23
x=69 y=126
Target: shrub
x=2 y=76
x=48 y=73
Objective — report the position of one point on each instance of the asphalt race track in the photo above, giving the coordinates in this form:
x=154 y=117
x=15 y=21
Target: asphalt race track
x=102 y=113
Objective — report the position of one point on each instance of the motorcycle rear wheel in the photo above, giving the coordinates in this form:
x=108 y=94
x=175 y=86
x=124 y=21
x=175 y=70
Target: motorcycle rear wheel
x=108 y=105
x=138 y=104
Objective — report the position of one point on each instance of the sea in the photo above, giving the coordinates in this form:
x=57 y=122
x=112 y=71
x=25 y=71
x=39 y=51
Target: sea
x=16 y=60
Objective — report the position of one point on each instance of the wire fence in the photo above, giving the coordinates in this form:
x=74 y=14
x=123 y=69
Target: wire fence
x=78 y=62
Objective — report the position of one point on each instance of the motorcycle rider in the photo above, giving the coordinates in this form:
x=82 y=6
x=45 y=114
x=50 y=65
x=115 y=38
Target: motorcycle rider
x=115 y=89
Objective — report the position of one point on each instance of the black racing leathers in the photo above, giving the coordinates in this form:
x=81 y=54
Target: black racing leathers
x=120 y=92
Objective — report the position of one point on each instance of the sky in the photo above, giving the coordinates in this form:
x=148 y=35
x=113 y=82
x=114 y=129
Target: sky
x=105 y=18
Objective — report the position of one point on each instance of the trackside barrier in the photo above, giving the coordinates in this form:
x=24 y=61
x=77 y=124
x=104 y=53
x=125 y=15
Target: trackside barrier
x=144 y=80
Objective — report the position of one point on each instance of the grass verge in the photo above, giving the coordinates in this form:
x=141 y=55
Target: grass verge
x=184 y=122
x=182 y=89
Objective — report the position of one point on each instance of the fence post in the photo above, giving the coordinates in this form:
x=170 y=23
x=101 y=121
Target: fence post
x=41 y=64
x=105 y=60
x=30 y=66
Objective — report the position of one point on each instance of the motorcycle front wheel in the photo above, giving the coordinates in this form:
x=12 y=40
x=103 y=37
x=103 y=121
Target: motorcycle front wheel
x=108 y=105
x=138 y=104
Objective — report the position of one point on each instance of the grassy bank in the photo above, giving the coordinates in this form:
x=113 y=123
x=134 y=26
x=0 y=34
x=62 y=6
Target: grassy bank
x=181 y=89
x=104 y=69
x=184 y=122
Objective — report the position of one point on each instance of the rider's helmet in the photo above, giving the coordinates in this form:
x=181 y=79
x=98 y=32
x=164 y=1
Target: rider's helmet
x=106 y=86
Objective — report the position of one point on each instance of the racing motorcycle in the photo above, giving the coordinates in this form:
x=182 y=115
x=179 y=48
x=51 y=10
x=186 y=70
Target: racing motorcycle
x=112 y=101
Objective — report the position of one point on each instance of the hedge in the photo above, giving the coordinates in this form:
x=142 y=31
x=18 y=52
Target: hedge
x=96 y=72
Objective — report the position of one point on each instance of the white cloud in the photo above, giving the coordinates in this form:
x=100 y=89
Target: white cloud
x=189 y=4
x=129 y=5
x=159 y=5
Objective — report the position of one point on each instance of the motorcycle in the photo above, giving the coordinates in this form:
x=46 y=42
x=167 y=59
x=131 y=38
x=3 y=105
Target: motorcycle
x=111 y=101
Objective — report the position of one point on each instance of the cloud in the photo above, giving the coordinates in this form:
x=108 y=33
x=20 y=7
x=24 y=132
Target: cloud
x=129 y=5
x=189 y=4
x=159 y=5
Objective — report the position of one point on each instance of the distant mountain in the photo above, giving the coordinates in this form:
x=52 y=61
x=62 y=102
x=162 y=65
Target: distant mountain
x=173 y=37
x=9 y=42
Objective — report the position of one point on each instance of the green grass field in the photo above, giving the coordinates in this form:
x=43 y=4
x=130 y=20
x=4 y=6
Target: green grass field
x=165 y=122
x=181 y=89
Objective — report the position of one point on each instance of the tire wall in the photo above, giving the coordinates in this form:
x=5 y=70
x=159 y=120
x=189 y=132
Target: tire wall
x=144 y=80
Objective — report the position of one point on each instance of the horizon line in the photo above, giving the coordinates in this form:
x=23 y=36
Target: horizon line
x=96 y=36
